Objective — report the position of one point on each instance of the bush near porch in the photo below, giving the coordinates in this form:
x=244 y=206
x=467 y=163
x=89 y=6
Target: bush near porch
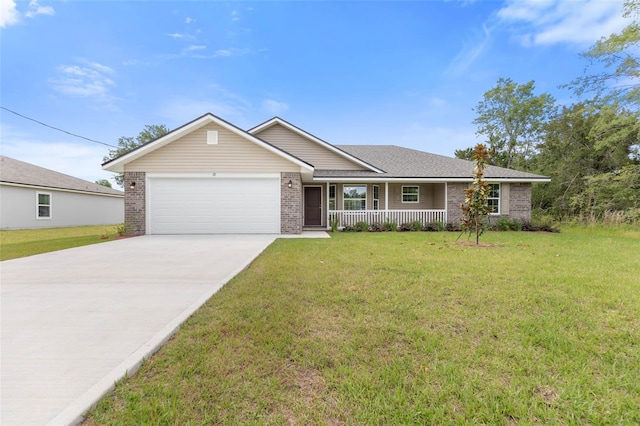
x=407 y=328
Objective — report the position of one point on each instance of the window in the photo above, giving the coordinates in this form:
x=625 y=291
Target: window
x=493 y=198
x=410 y=194
x=332 y=197
x=376 y=197
x=355 y=197
x=43 y=205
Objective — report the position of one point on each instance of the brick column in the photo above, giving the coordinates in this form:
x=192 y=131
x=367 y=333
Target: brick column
x=135 y=208
x=520 y=201
x=455 y=198
x=290 y=203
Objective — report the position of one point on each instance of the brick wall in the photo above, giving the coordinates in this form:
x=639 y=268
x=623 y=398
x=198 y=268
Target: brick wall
x=455 y=198
x=134 y=203
x=520 y=201
x=290 y=203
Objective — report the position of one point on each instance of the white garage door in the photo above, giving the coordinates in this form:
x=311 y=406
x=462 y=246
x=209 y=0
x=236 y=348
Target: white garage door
x=214 y=205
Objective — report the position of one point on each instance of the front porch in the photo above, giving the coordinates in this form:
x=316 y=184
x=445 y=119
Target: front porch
x=350 y=217
x=345 y=204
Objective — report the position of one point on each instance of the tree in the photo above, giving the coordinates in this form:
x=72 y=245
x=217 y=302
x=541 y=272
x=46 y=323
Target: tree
x=464 y=154
x=150 y=133
x=513 y=120
x=581 y=143
x=475 y=208
x=104 y=182
x=618 y=54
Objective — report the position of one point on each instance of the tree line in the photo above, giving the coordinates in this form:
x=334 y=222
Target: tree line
x=591 y=149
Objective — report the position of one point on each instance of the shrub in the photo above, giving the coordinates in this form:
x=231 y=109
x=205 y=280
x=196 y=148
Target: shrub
x=376 y=227
x=414 y=226
x=536 y=227
x=515 y=225
x=453 y=227
x=334 y=224
x=361 y=226
x=390 y=226
x=434 y=227
x=502 y=224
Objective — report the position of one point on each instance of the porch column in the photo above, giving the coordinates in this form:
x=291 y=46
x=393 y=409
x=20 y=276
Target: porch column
x=386 y=200
x=327 y=224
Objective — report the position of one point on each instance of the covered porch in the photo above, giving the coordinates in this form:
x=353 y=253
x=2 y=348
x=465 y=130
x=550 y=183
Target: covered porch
x=344 y=204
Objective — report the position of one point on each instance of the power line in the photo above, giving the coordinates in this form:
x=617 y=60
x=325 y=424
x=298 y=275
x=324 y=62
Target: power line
x=56 y=128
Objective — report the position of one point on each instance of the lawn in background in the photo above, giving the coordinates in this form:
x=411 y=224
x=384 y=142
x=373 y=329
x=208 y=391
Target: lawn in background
x=407 y=328
x=27 y=242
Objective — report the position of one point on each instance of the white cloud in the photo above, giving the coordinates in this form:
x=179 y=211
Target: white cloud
x=181 y=35
x=9 y=15
x=235 y=16
x=195 y=47
x=470 y=53
x=562 y=21
x=189 y=20
x=271 y=106
x=87 y=80
x=35 y=9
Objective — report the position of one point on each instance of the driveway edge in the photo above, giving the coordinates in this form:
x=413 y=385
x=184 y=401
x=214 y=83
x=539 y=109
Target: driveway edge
x=76 y=411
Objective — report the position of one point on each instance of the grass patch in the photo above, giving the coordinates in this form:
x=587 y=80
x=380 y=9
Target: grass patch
x=406 y=328
x=27 y=242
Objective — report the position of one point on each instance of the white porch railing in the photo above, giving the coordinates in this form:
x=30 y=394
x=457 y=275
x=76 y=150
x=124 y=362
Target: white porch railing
x=351 y=217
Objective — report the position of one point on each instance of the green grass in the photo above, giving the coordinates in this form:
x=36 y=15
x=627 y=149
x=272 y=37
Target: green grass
x=407 y=328
x=27 y=242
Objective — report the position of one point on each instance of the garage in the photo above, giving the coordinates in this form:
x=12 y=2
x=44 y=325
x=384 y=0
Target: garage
x=213 y=205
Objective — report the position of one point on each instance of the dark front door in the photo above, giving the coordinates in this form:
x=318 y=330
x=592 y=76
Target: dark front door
x=312 y=206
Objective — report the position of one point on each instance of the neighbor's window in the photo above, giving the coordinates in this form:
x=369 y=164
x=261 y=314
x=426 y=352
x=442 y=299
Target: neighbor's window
x=376 y=197
x=43 y=206
x=493 y=198
x=332 y=197
x=354 y=197
x=410 y=194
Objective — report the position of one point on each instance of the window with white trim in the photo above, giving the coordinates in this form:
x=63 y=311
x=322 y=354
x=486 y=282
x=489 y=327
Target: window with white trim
x=376 y=197
x=354 y=197
x=332 y=197
x=43 y=205
x=410 y=194
x=493 y=198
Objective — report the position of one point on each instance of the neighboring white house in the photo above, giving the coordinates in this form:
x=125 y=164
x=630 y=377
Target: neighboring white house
x=35 y=197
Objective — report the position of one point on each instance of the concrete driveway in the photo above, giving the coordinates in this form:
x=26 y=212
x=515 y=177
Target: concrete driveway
x=77 y=320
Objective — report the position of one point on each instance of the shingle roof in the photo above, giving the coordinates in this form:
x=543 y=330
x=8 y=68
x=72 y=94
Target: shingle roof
x=19 y=172
x=398 y=162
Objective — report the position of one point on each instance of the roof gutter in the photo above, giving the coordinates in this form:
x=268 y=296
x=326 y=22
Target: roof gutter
x=440 y=180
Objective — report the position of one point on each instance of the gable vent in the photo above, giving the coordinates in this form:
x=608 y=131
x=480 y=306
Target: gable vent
x=212 y=137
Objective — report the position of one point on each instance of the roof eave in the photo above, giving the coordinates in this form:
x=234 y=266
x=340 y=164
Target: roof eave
x=425 y=179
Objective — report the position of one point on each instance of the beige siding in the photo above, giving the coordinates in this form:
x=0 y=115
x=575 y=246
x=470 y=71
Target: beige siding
x=320 y=157
x=192 y=154
x=431 y=196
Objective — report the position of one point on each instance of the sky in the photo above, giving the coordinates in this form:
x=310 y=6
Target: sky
x=378 y=72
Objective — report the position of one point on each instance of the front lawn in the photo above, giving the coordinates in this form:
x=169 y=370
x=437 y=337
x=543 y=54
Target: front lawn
x=407 y=328
x=27 y=242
